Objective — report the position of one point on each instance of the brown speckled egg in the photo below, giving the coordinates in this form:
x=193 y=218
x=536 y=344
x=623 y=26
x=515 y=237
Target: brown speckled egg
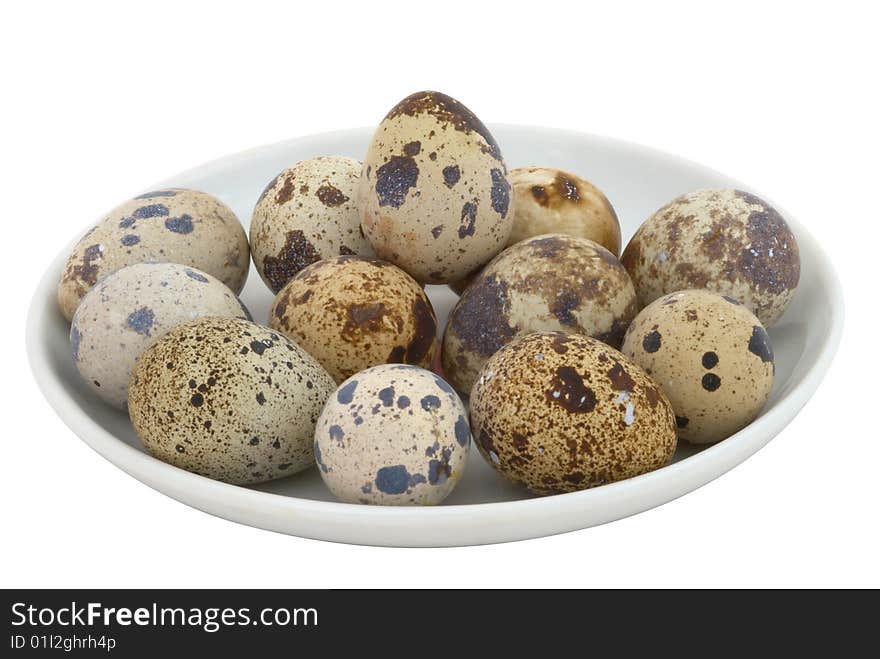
x=710 y=355
x=129 y=310
x=393 y=435
x=552 y=201
x=171 y=226
x=351 y=313
x=550 y=282
x=307 y=213
x=434 y=194
x=559 y=412
x=228 y=399
x=727 y=241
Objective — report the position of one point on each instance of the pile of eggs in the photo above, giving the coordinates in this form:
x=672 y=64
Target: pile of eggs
x=568 y=364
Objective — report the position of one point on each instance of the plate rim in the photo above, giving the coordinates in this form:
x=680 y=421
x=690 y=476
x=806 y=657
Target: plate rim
x=239 y=504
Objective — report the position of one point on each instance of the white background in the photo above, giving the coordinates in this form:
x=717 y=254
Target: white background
x=101 y=100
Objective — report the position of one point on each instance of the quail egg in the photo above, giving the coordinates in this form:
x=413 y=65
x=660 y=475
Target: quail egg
x=129 y=310
x=552 y=201
x=549 y=282
x=559 y=412
x=228 y=399
x=434 y=193
x=711 y=356
x=173 y=225
x=727 y=241
x=352 y=312
x=392 y=435
x=307 y=213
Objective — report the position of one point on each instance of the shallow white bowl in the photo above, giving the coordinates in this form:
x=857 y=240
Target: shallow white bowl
x=484 y=508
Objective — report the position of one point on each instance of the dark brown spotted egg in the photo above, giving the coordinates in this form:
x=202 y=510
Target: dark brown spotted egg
x=727 y=241
x=559 y=412
x=131 y=309
x=393 y=435
x=710 y=355
x=351 y=313
x=549 y=282
x=434 y=193
x=174 y=226
x=553 y=201
x=307 y=213
x=228 y=399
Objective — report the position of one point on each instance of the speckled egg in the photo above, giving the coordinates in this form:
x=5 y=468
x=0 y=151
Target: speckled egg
x=727 y=241
x=552 y=201
x=393 y=435
x=559 y=412
x=307 y=213
x=549 y=282
x=434 y=194
x=710 y=355
x=228 y=399
x=129 y=310
x=174 y=225
x=352 y=312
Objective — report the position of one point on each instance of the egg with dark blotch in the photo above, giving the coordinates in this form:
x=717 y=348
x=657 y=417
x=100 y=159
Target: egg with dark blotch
x=434 y=193
x=711 y=356
x=724 y=240
x=307 y=213
x=553 y=201
x=352 y=312
x=545 y=283
x=559 y=412
x=230 y=400
x=169 y=226
x=131 y=309
x=393 y=435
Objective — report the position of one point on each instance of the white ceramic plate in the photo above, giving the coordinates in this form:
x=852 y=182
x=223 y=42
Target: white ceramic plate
x=484 y=508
